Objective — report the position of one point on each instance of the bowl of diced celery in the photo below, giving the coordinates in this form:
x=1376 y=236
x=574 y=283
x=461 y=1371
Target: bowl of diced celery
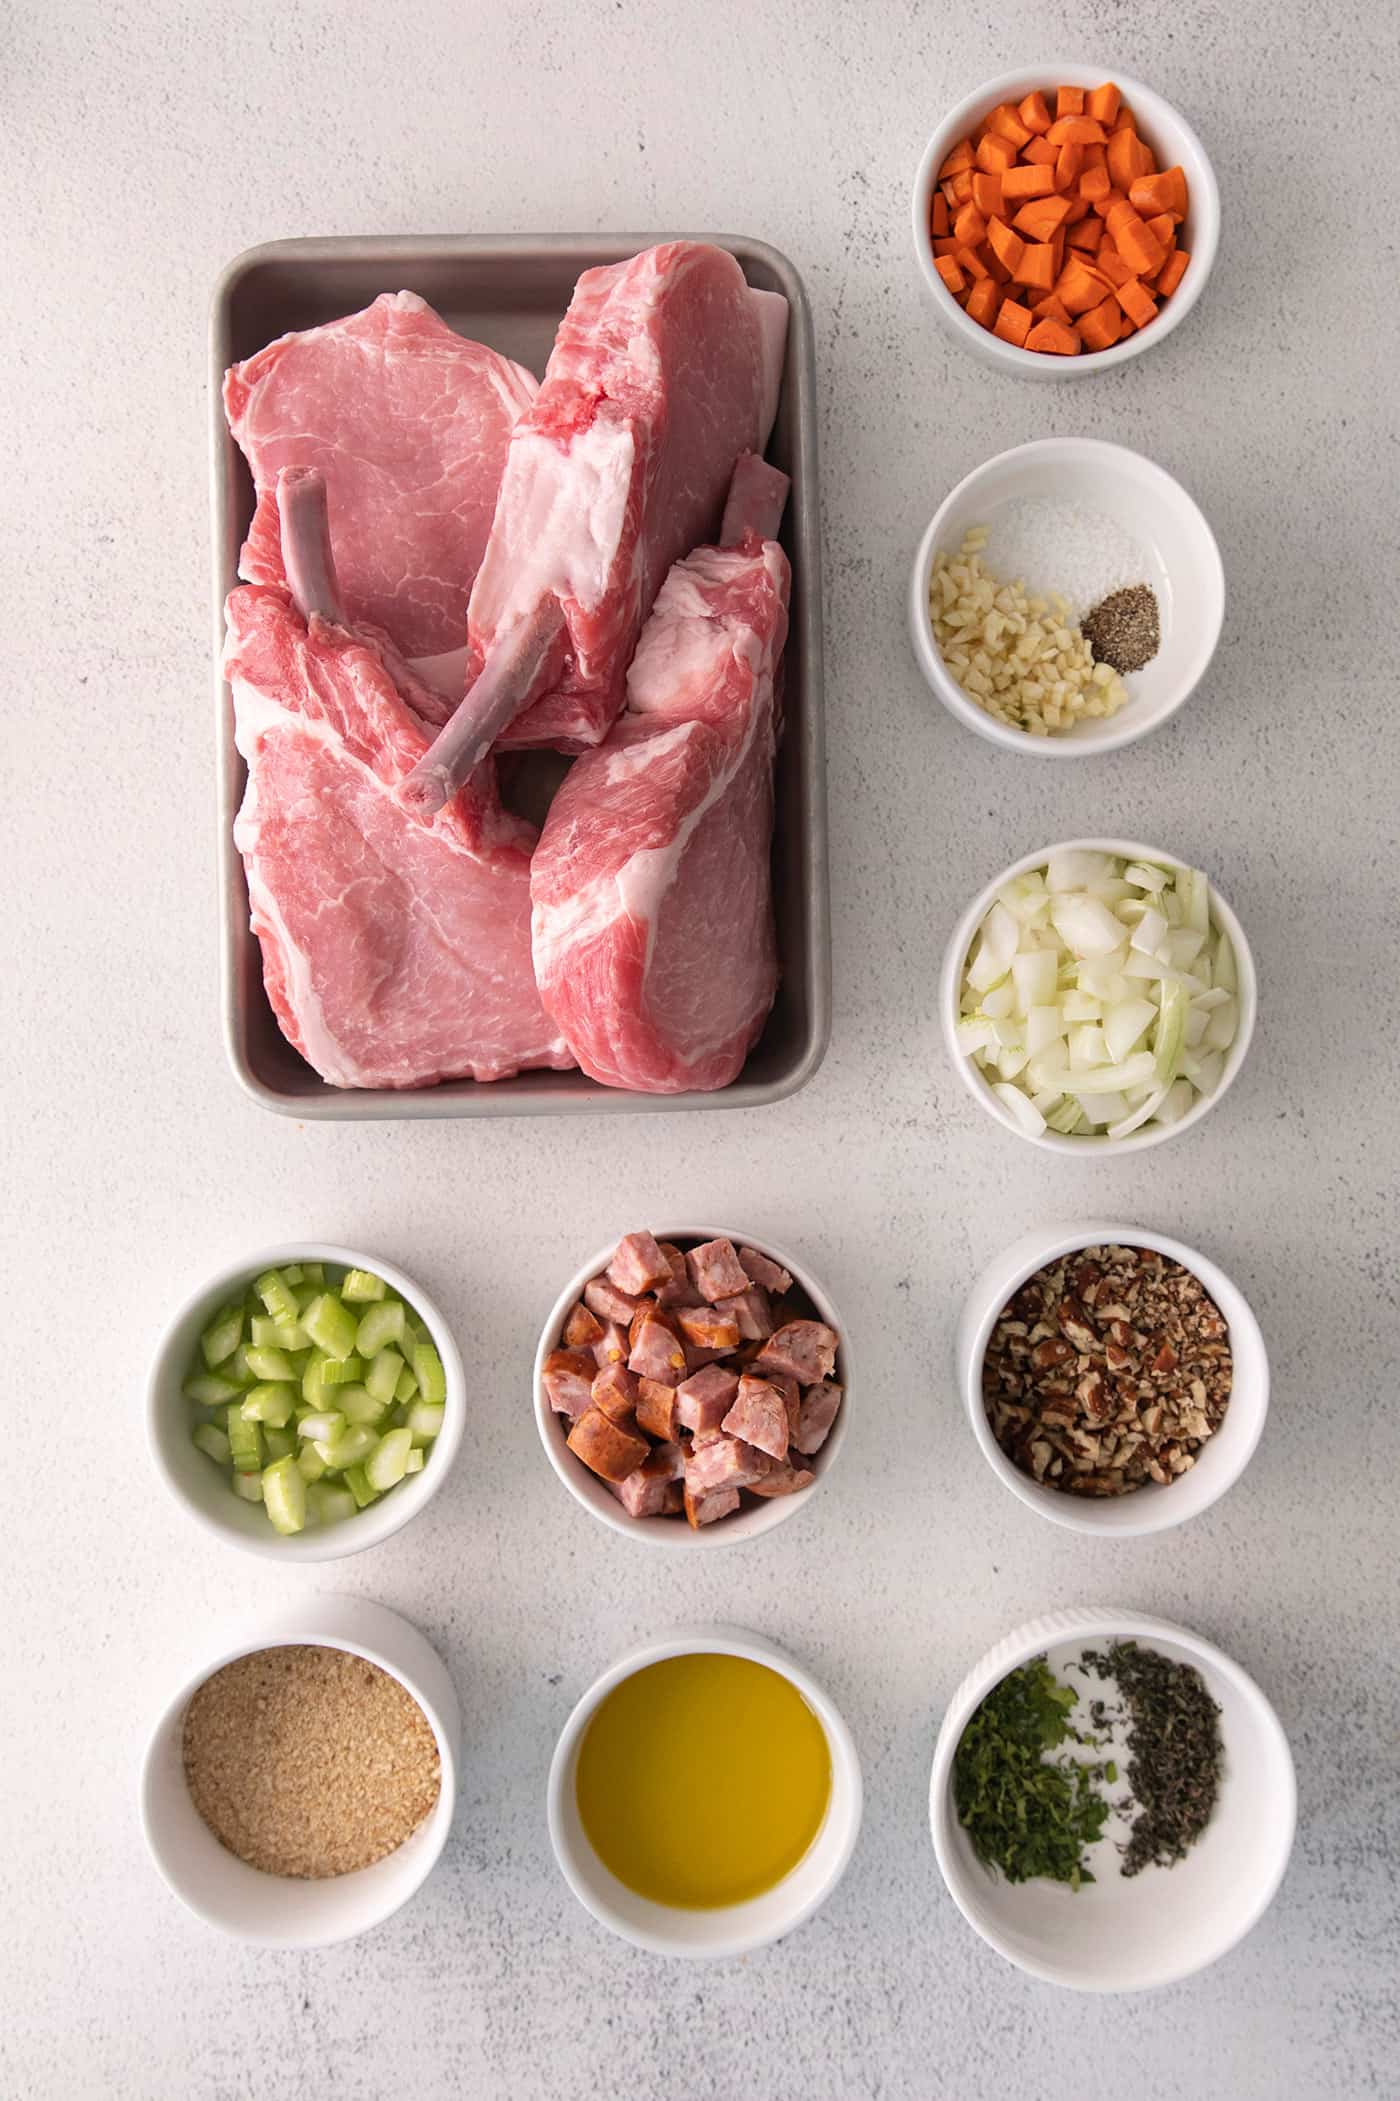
x=306 y=1403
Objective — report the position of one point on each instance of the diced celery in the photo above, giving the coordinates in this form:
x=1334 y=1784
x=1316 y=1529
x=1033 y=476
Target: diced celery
x=310 y=1463
x=360 y=1491
x=272 y=1288
x=424 y=1418
x=280 y=1444
x=382 y=1378
x=342 y=1371
x=358 y=1405
x=208 y=1388
x=383 y=1323
x=313 y=1381
x=361 y=1285
x=245 y=1440
x=269 y=1364
x=414 y=1464
x=237 y=1368
x=313 y=1273
x=284 y=1495
x=292 y=1272
x=427 y=1367
x=331 y=1326
x=323 y=1423
x=387 y=1464
x=211 y=1439
x=249 y=1486
x=270 y=1334
x=407 y=1386
x=269 y=1404
x=352 y=1444
x=329 y=1504
x=222 y=1336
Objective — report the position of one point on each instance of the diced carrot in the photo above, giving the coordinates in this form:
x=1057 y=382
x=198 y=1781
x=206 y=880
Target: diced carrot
x=1005 y=121
x=1078 y=211
x=969 y=225
x=1106 y=206
x=1077 y=287
x=1125 y=120
x=962 y=187
x=1094 y=156
x=944 y=244
x=1140 y=250
x=1100 y=326
x=983 y=301
x=949 y=192
x=1128 y=158
x=1017 y=184
x=1164 y=229
x=1136 y=301
x=996 y=268
x=1087 y=234
x=995 y=154
x=1172 y=272
x=1040 y=154
x=941 y=217
x=1034 y=113
x=952 y=276
x=1042 y=218
x=1151 y=194
x=1054 y=336
x=1068 y=162
x=1076 y=131
x=958 y=159
x=1036 y=269
x=1093 y=184
x=1110 y=264
x=1069 y=102
x=1013 y=323
x=1005 y=245
x=1050 y=308
x=986 y=194
x=1057 y=251
x=961 y=297
x=1103 y=102
x=970 y=262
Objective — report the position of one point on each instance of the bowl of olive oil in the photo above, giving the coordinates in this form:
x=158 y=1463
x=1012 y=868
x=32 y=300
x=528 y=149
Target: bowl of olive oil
x=635 y=1766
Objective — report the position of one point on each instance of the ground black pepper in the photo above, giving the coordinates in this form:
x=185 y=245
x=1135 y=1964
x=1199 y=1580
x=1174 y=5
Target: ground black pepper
x=1124 y=629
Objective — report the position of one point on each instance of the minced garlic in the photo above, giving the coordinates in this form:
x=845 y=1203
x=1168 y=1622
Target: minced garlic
x=1023 y=659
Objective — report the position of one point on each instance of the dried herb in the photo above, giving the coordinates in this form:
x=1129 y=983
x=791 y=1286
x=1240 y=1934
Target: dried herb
x=1027 y=1814
x=1174 y=1746
x=1124 y=630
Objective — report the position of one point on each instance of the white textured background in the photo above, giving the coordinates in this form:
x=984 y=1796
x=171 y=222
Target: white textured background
x=140 y=147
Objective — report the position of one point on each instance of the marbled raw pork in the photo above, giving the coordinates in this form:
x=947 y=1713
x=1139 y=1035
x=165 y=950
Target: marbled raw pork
x=409 y=422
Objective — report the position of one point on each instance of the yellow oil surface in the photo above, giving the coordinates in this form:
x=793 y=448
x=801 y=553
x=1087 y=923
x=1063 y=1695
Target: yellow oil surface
x=702 y=1781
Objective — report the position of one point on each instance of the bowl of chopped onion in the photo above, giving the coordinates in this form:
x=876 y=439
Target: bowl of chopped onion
x=1098 y=995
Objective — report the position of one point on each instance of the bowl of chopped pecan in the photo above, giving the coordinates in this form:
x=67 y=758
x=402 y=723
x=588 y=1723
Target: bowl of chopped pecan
x=1115 y=1379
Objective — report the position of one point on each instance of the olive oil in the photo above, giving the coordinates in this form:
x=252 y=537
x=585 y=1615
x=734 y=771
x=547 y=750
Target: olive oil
x=703 y=1780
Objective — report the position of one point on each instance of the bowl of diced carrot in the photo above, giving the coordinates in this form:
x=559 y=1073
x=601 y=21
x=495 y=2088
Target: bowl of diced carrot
x=1064 y=220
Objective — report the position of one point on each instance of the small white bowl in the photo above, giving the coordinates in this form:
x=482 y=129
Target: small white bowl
x=203 y=1488
x=1152 y=1508
x=1171 y=139
x=282 y=1911
x=734 y=1929
x=1181 y=565
x=950 y=992
x=586 y=1488
x=1121 y=1934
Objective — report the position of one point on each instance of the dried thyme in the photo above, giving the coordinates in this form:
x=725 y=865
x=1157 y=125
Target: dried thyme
x=1174 y=1747
x=1024 y=1813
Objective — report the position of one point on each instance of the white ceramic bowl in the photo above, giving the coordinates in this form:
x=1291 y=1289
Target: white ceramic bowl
x=1152 y=1508
x=1181 y=564
x=203 y=1488
x=281 y=1911
x=1100 y=1145
x=734 y=1929
x=1121 y=1934
x=586 y=1488
x=1171 y=139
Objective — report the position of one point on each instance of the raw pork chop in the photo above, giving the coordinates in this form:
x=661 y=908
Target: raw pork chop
x=653 y=923
x=395 y=952
x=664 y=370
x=409 y=423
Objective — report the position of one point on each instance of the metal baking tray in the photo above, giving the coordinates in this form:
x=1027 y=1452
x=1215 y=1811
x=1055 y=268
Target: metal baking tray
x=510 y=292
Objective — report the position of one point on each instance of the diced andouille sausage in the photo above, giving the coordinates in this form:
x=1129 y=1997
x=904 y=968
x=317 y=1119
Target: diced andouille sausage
x=568 y=1380
x=759 y=1270
x=601 y=1296
x=820 y=1405
x=805 y=1350
x=760 y=1416
x=668 y=1457
x=645 y=1309
x=657 y=1353
x=750 y=1312
x=656 y=1409
x=697 y=1359
x=647 y=1492
x=582 y=1329
x=605 y=1447
x=724 y=1462
x=612 y=1345
x=703 y=1510
x=707 y=1328
x=615 y=1391
x=638 y=1265
x=715 y=1270
x=680 y=1291
x=704 y=1399
x=784 y=1480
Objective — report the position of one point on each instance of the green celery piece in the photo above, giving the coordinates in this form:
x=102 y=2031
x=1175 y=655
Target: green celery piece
x=314 y=1389
x=213 y=1441
x=284 y=1495
x=414 y=1462
x=249 y=1486
x=245 y=1440
x=310 y=1463
x=275 y=1292
x=222 y=1336
x=407 y=1386
x=360 y=1490
x=344 y=1371
x=382 y=1324
x=424 y=1421
x=427 y=1367
x=265 y=1333
x=331 y=1326
x=270 y=1364
x=292 y=1272
x=269 y=1403
x=313 y=1273
x=280 y=1444
x=208 y=1388
x=388 y=1462
x=382 y=1377
x=329 y=1504
x=323 y=1423
x=362 y=1285
x=238 y=1369
x=348 y=1447
x=358 y=1405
